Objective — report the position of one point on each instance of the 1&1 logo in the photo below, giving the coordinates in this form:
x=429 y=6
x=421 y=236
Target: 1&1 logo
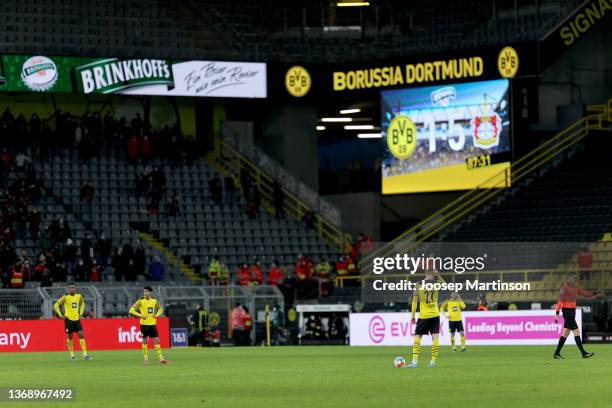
x=297 y=81
x=377 y=329
x=39 y=73
x=401 y=137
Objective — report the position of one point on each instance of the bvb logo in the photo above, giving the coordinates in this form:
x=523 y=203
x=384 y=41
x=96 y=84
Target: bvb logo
x=401 y=137
x=214 y=319
x=298 y=81
x=508 y=62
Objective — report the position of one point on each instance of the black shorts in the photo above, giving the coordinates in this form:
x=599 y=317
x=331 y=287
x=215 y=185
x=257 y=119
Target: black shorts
x=455 y=326
x=426 y=326
x=71 y=326
x=148 y=331
x=569 y=317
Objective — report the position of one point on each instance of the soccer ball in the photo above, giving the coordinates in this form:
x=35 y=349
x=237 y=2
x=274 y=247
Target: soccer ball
x=399 y=362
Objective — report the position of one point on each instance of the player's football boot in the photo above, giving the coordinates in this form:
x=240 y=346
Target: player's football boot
x=164 y=361
x=412 y=365
x=587 y=355
x=432 y=364
x=88 y=358
x=463 y=350
x=558 y=356
x=454 y=349
x=72 y=358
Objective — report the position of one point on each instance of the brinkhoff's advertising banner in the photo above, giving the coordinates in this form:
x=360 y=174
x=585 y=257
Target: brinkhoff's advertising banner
x=137 y=76
x=521 y=327
x=101 y=334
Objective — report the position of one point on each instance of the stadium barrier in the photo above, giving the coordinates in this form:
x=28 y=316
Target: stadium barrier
x=24 y=304
x=101 y=334
x=521 y=327
x=597 y=118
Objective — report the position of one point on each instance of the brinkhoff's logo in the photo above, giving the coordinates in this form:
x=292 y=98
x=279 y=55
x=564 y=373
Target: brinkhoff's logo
x=39 y=73
x=377 y=329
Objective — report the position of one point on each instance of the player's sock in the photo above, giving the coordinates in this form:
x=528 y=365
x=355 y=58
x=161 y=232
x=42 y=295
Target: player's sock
x=463 y=341
x=83 y=346
x=579 y=344
x=158 y=352
x=70 y=348
x=416 y=350
x=453 y=341
x=560 y=344
x=145 y=351
x=435 y=349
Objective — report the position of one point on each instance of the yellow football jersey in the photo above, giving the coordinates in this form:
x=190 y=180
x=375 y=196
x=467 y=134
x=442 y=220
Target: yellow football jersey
x=453 y=307
x=74 y=305
x=149 y=310
x=427 y=301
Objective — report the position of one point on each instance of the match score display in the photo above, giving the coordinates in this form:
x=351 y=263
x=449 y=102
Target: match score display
x=447 y=137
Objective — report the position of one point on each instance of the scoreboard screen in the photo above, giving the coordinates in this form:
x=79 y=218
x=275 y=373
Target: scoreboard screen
x=447 y=137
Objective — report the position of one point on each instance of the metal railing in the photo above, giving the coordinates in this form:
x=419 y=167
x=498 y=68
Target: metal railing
x=596 y=119
x=299 y=199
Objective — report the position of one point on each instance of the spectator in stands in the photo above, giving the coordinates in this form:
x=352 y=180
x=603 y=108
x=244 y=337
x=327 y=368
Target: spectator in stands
x=87 y=195
x=153 y=206
x=145 y=149
x=245 y=182
x=132 y=150
x=17 y=276
x=482 y=307
x=95 y=272
x=351 y=265
x=243 y=275
x=120 y=264
x=81 y=272
x=364 y=244
x=257 y=275
x=247 y=326
x=46 y=280
x=303 y=268
x=237 y=323
x=156 y=270
x=34 y=224
x=87 y=251
x=216 y=189
x=342 y=265
x=158 y=181
x=275 y=274
x=22 y=162
x=173 y=205
x=142 y=185
x=103 y=250
x=308 y=220
x=254 y=202
x=278 y=197
x=585 y=259
x=224 y=274
x=230 y=190
x=323 y=270
x=214 y=269
x=70 y=255
x=140 y=258
x=40 y=268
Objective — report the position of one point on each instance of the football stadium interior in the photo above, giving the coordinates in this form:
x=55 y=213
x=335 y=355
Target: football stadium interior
x=218 y=180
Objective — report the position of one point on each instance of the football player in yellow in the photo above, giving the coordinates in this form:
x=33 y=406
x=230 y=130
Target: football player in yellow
x=74 y=306
x=452 y=310
x=429 y=319
x=148 y=309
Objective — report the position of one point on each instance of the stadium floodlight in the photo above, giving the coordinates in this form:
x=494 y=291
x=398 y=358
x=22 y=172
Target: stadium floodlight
x=369 y=135
x=320 y=127
x=353 y=4
x=347 y=111
x=359 y=127
x=336 y=119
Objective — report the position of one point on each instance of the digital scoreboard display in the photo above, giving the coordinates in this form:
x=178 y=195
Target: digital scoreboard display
x=446 y=137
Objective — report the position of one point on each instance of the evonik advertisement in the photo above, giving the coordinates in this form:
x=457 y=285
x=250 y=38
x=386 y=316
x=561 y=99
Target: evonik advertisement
x=101 y=334
x=521 y=327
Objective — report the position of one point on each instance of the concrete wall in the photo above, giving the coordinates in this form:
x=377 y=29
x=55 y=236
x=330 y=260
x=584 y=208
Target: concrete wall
x=360 y=212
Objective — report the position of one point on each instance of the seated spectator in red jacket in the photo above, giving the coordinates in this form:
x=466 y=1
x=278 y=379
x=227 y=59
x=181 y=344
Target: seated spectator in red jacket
x=96 y=271
x=303 y=268
x=243 y=275
x=275 y=274
x=257 y=276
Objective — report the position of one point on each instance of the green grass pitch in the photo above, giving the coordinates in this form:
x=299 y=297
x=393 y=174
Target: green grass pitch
x=320 y=377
